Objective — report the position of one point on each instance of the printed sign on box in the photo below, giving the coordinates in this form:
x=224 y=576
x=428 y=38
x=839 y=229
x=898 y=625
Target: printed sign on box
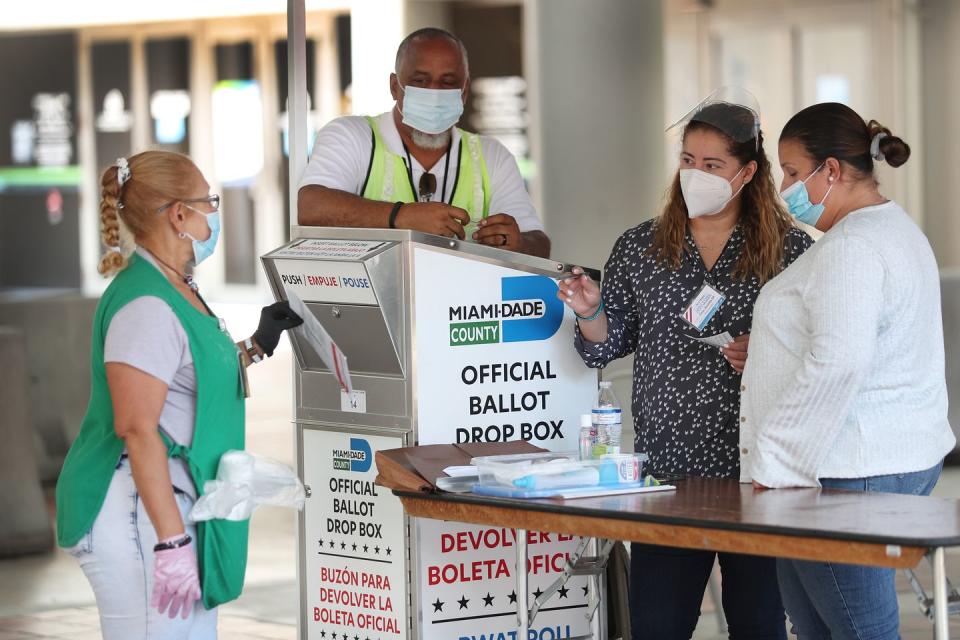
x=355 y=559
x=497 y=363
x=326 y=249
x=321 y=281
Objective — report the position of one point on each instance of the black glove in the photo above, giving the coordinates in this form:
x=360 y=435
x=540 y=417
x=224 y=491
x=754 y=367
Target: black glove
x=274 y=320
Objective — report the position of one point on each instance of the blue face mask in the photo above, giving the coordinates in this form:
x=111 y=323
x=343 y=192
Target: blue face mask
x=798 y=201
x=431 y=110
x=203 y=249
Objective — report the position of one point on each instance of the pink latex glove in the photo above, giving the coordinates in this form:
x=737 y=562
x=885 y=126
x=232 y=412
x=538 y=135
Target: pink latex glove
x=176 y=581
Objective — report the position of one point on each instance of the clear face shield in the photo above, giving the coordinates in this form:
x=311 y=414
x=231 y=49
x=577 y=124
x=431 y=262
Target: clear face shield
x=732 y=110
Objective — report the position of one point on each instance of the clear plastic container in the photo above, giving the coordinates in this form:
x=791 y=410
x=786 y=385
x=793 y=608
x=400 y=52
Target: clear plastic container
x=549 y=471
x=507 y=468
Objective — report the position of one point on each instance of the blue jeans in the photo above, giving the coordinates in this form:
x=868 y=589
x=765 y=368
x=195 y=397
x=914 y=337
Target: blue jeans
x=667 y=585
x=116 y=555
x=829 y=601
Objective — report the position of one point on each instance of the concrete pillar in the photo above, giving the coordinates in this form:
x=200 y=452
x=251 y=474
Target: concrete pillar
x=596 y=90
x=596 y=102
x=940 y=29
x=25 y=524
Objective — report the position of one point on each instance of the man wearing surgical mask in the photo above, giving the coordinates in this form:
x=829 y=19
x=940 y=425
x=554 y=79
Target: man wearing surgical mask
x=413 y=168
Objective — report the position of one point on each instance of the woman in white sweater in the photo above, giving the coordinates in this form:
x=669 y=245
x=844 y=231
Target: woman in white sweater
x=844 y=386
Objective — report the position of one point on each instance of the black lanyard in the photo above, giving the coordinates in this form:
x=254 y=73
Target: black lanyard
x=446 y=170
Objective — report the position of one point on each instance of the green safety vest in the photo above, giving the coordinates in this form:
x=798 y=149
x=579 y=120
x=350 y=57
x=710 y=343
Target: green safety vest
x=387 y=178
x=90 y=464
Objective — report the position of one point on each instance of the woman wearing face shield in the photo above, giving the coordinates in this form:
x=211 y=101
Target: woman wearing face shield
x=845 y=385
x=692 y=273
x=168 y=385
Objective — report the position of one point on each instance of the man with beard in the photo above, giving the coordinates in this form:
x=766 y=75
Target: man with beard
x=412 y=168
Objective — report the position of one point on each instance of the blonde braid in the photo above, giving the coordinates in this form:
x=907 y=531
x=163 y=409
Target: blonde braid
x=110 y=225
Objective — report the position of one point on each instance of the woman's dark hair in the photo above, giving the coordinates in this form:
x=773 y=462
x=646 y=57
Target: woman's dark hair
x=764 y=220
x=834 y=130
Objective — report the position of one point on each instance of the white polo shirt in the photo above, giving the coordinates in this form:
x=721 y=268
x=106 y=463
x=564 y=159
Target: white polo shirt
x=341 y=156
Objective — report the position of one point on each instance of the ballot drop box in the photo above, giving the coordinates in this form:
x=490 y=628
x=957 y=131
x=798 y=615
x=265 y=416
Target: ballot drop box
x=446 y=342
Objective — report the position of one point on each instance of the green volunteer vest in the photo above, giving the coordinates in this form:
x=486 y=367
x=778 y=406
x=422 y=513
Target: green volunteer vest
x=387 y=178
x=219 y=427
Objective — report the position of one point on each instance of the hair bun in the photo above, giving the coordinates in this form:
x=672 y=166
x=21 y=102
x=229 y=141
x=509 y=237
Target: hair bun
x=888 y=147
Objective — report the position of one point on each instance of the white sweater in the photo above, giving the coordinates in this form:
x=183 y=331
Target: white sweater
x=845 y=374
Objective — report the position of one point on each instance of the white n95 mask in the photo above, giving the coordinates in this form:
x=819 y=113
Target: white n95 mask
x=705 y=193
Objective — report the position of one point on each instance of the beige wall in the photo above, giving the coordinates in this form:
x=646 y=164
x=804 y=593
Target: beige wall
x=940 y=145
x=596 y=74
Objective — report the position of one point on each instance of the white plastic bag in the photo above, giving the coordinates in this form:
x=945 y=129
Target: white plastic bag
x=245 y=481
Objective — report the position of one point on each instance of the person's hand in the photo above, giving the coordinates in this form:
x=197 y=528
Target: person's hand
x=176 y=581
x=437 y=218
x=274 y=320
x=736 y=352
x=580 y=293
x=500 y=230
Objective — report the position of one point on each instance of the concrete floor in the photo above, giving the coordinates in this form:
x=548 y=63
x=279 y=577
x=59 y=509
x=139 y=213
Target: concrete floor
x=48 y=597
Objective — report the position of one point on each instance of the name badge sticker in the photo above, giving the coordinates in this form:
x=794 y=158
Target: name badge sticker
x=702 y=307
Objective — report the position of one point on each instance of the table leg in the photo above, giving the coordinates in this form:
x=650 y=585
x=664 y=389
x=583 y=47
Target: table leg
x=941 y=624
x=523 y=606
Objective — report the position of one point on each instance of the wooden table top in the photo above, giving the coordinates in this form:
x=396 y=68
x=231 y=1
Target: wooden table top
x=709 y=513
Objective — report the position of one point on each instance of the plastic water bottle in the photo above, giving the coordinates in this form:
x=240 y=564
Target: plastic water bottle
x=607 y=418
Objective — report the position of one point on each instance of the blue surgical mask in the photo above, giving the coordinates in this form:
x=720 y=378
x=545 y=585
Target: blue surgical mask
x=203 y=249
x=431 y=110
x=798 y=201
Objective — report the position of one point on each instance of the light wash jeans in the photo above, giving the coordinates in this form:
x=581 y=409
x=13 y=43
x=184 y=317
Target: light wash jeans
x=829 y=601
x=117 y=558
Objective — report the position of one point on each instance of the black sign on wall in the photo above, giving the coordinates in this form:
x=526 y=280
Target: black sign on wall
x=39 y=207
x=113 y=117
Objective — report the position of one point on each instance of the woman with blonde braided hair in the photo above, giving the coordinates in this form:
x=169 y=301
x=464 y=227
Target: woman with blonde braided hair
x=166 y=402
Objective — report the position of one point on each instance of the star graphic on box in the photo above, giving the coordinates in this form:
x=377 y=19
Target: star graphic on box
x=488 y=600
x=513 y=597
x=437 y=606
x=463 y=602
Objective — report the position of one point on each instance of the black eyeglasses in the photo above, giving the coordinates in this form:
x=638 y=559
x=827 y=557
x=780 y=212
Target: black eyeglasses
x=212 y=200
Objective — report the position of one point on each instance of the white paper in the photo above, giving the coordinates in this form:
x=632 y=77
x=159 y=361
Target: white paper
x=719 y=340
x=461 y=471
x=320 y=340
x=355 y=402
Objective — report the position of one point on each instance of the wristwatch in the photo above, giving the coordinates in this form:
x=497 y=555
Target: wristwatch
x=251 y=351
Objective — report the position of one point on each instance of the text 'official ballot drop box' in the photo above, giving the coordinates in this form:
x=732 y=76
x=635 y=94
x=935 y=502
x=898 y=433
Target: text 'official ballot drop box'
x=446 y=341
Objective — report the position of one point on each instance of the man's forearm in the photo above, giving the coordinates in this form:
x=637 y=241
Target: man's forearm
x=323 y=207
x=535 y=243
